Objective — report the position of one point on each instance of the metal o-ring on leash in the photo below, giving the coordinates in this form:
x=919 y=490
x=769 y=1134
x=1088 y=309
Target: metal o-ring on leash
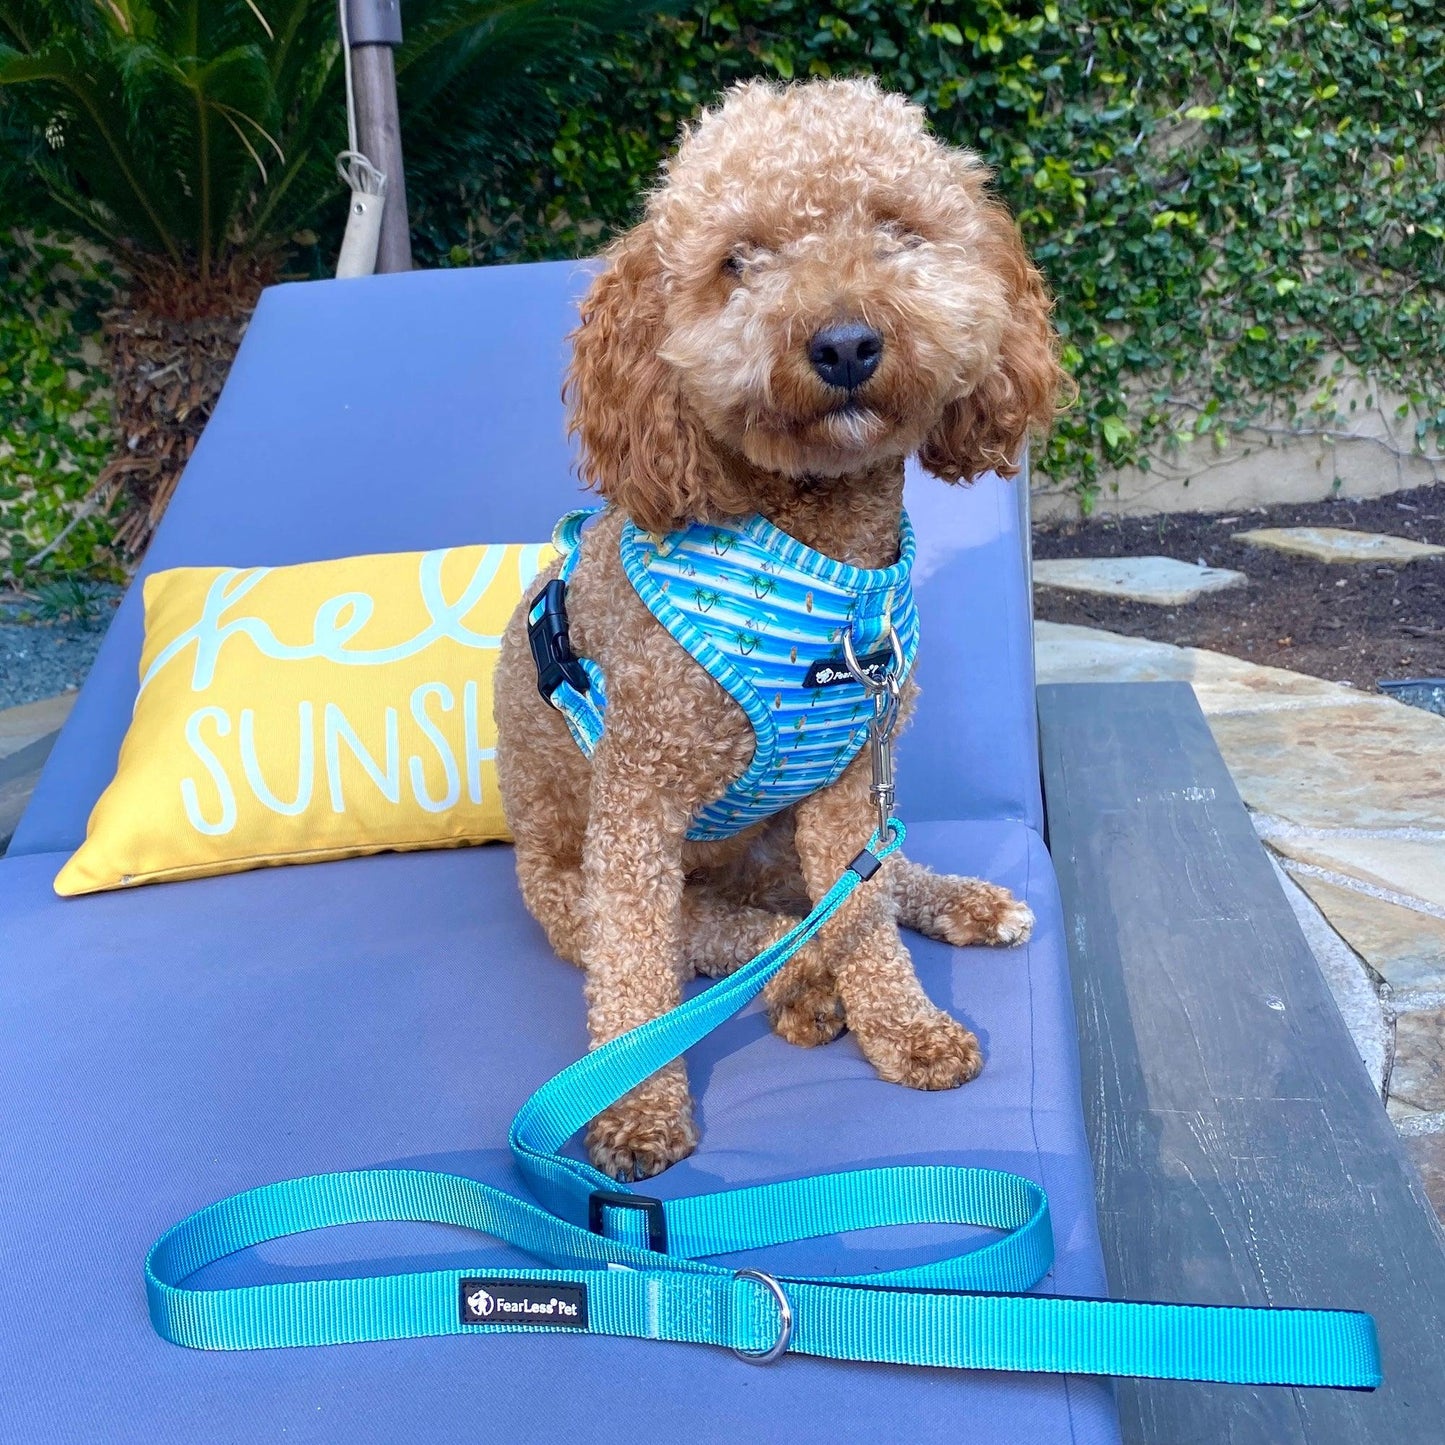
x=885 y=692
x=779 y=1346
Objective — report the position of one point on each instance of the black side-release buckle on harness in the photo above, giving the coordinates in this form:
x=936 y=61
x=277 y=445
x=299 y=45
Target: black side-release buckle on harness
x=551 y=648
x=603 y=1199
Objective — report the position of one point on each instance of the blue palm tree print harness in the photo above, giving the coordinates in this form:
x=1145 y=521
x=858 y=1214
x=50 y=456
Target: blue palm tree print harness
x=766 y=616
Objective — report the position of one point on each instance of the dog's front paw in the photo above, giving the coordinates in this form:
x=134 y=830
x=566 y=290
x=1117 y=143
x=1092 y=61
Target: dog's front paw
x=803 y=1004
x=930 y=1051
x=645 y=1131
x=809 y=1016
x=1012 y=922
x=978 y=912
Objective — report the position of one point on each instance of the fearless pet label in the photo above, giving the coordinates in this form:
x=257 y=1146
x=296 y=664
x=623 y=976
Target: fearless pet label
x=831 y=671
x=546 y=1303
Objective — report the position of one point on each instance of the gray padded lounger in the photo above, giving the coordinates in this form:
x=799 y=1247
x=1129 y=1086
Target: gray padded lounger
x=162 y=1048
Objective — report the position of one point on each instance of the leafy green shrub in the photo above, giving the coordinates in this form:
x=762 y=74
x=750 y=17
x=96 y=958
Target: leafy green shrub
x=1236 y=201
x=72 y=599
x=54 y=414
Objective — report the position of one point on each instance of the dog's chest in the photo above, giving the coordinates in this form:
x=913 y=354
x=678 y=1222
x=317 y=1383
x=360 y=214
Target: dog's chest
x=766 y=618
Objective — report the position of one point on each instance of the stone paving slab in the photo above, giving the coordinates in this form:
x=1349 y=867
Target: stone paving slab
x=1065 y=652
x=1403 y=945
x=1164 y=581
x=1412 y=870
x=1417 y=1080
x=21 y=726
x=1370 y=764
x=1339 y=544
x=1315 y=753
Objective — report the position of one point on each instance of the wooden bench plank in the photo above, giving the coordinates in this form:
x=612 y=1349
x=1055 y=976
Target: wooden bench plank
x=1241 y=1152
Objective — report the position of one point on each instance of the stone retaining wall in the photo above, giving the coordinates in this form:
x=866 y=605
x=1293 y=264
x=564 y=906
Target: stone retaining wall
x=1369 y=452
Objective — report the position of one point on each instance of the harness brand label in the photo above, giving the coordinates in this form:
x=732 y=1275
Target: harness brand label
x=546 y=1303
x=830 y=671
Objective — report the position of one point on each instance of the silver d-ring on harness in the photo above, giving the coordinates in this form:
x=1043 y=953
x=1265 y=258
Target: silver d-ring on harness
x=850 y=656
x=885 y=693
x=785 y=1320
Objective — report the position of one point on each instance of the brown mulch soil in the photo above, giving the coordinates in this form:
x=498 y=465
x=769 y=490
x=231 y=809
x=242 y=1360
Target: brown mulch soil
x=1349 y=622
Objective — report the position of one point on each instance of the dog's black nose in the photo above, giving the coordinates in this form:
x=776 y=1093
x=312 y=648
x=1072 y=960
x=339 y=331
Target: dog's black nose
x=846 y=355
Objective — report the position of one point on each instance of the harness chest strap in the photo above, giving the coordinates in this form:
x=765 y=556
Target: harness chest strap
x=641 y=1270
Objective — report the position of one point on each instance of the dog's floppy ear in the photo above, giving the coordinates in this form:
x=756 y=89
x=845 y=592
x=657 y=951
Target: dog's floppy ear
x=986 y=430
x=643 y=448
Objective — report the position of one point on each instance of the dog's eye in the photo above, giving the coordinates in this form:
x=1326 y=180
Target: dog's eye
x=743 y=258
x=897 y=237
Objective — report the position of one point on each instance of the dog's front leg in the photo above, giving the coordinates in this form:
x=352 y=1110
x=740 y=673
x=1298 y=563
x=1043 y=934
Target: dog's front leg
x=960 y=911
x=900 y=1031
x=632 y=881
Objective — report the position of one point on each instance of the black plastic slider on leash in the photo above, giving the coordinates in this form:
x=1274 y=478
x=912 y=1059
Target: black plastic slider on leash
x=865 y=865
x=651 y=1209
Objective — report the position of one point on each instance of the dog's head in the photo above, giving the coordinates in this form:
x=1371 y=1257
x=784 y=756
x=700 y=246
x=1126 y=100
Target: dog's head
x=818 y=286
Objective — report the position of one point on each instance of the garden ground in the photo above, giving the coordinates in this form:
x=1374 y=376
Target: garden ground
x=1345 y=623
x=48 y=643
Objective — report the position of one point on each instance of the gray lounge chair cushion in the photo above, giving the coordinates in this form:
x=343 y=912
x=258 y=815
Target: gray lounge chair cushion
x=163 y=1047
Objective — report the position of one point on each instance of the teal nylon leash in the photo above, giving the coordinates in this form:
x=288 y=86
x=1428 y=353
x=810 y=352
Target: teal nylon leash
x=640 y=1270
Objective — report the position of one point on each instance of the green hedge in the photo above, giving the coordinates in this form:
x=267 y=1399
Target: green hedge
x=1237 y=202
x=55 y=430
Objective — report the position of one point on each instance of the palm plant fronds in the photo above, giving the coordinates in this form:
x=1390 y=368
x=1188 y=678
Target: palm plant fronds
x=149 y=116
x=191 y=130
x=194 y=139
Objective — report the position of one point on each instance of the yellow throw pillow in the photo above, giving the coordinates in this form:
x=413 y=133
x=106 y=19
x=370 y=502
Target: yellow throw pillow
x=293 y=714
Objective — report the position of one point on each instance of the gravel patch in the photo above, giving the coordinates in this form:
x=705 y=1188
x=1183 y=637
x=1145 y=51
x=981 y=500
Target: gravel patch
x=39 y=659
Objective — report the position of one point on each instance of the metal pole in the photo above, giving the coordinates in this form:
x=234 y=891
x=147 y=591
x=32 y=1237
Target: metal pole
x=374 y=28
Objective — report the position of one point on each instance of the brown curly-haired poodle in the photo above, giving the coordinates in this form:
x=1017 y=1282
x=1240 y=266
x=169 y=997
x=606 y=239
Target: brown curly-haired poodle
x=698 y=392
